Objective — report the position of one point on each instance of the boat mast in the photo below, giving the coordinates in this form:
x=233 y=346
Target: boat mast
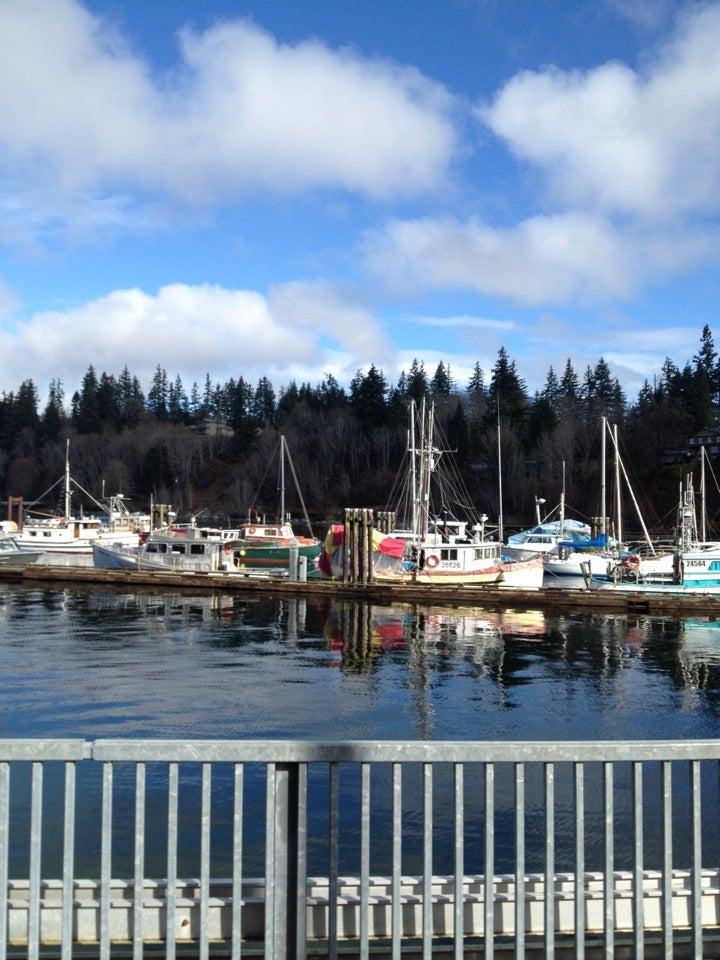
x=562 y=504
x=703 y=512
x=501 y=533
x=67 y=479
x=618 y=491
x=413 y=469
x=426 y=467
x=282 y=478
x=603 y=470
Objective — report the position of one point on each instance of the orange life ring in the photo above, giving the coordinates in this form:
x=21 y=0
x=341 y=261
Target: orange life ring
x=432 y=562
x=632 y=562
x=228 y=548
x=252 y=530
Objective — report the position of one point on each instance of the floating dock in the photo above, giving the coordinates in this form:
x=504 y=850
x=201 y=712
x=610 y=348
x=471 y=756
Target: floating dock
x=662 y=601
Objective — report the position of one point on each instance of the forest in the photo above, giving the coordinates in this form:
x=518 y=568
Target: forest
x=213 y=447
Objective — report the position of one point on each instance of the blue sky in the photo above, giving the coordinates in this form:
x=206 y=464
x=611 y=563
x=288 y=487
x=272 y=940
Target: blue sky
x=289 y=189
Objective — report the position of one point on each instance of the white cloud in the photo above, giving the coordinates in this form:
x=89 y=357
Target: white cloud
x=464 y=321
x=544 y=258
x=330 y=310
x=82 y=115
x=190 y=330
x=642 y=142
x=646 y=14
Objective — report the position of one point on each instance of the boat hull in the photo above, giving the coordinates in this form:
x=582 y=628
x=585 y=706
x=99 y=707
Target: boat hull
x=255 y=555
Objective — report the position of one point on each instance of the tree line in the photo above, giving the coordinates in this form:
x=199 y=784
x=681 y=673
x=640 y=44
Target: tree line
x=212 y=445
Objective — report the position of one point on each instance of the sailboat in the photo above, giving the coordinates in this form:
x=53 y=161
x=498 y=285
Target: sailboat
x=268 y=545
x=69 y=533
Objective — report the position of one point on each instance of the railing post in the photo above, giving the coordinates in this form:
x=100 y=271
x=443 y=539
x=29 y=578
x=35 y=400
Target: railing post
x=284 y=931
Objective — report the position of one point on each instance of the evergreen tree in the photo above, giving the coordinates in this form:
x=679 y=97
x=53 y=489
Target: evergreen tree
x=53 y=413
x=441 y=383
x=264 y=403
x=108 y=400
x=88 y=416
x=158 y=394
x=416 y=385
x=368 y=397
x=507 y=389
x=569 y=384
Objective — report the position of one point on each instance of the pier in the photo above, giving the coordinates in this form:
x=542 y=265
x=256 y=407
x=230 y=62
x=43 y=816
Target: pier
x=659 y=602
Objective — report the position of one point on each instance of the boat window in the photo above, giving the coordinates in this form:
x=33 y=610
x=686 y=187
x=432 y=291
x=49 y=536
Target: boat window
x=714 y=565
x=33 y=533
x=178 y=548
x=162 y=548
x=197 y=548
x=151 y=548
x=46 y=533
x=448 y=554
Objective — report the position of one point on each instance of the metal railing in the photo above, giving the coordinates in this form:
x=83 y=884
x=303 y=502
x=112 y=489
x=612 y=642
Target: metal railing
x=288 y=913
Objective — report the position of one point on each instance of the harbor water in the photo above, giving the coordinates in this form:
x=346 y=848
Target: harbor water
x=96 y=663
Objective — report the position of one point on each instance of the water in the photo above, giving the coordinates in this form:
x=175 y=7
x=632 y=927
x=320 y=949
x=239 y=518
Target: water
x=89 y=663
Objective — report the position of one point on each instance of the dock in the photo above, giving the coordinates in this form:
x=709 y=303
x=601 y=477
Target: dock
x=655 y=602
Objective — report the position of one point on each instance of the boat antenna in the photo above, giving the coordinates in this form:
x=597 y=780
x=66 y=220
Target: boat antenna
x=501 y=534
x=562 y=504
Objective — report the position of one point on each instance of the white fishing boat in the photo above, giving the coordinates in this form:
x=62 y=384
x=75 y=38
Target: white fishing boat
x=73 y=534
x=183 y=547
x=11 y=555
x=434 y=547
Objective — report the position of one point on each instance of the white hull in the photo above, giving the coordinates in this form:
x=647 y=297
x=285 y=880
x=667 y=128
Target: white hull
x=572 y=565
x=60 y=541
x=525 y=574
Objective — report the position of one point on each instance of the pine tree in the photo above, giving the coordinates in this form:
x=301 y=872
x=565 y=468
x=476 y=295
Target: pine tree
x=441 y=384
x=88 y=416
x=158 y=394
x=53 y=414
x=416 y=385
x=368 y=397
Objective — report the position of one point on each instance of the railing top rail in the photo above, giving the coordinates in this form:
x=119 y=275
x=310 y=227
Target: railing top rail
x=369 y=751
x=45 y=749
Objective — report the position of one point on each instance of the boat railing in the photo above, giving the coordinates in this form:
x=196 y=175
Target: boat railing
x=387 y=819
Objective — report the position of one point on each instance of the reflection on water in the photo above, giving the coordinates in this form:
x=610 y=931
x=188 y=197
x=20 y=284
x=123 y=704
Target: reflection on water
x=90 y=663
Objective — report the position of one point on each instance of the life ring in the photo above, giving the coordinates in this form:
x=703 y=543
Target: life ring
x=432 y=562
x=632 y=562
x=228 y=548
x=251 y=530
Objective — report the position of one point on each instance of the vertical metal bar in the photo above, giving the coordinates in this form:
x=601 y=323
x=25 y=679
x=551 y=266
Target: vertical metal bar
x=459 y=891
x=549 y=861
x=639 y=863
x=696 y=806
x=138 y=891
x=334 y=838
x=396 y=860
x=270 y=861
x=236 y=935
x=4 y=845
x=204 y=947
x=520 y=861
x=609 y=880
x=489 y=860
x=172 y=851
x=427 y=915
x=105 y=860
x=35 y=861
x=579 y=790
x=667 y=924
x=68 y=862
x=301 y=879
x=364 y=860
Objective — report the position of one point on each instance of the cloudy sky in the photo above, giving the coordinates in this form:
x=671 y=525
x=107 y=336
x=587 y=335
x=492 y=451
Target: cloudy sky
x=261 y=187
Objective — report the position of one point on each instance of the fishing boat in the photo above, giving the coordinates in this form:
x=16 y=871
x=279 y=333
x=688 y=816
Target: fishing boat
x=11 y=555
x=264 y=545
x=182 y=547
x=432 y=546
x=73 y=534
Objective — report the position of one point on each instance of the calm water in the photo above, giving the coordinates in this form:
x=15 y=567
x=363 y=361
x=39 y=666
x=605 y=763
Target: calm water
x=99 y=664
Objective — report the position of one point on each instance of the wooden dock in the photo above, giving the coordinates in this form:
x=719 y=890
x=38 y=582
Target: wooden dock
x=659 y=602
